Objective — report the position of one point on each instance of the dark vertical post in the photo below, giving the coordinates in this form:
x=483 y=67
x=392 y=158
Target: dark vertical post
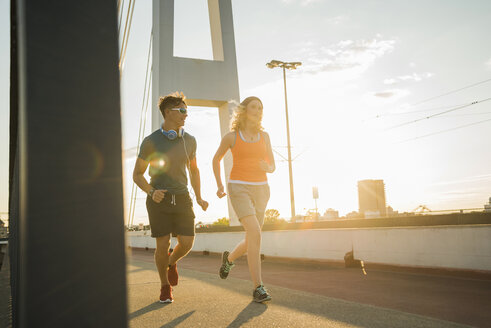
x=13 y=246
x=71 y=261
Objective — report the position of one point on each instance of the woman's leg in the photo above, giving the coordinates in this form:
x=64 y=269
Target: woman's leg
x=253 y=247
x=238 y=251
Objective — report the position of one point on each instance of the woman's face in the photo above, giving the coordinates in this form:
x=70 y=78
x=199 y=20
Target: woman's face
x=254 y=111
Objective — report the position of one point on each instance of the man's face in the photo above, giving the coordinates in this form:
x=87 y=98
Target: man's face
x=176 y=115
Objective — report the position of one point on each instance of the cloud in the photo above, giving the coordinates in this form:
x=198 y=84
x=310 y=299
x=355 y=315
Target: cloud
x=390 y=81
x=466 y=180
x=336 y=20
x=345 y=55
x=302 y=2
x=416 y=77
x=385 y=96
x=488 y=64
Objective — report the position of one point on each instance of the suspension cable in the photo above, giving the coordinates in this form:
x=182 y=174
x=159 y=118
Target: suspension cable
x=141 y=131
x=124 y=46
x=120 y=11
x=144 y=121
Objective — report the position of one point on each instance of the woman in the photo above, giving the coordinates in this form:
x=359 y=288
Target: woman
x=248 y=186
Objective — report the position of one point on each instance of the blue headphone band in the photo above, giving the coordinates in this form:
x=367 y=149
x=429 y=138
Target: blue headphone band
x=171 y=134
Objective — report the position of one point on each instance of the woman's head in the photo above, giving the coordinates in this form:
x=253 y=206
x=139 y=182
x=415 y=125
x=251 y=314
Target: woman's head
x=250 y=112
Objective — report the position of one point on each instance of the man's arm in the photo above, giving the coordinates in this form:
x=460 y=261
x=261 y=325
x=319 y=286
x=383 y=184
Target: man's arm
x=140 y=168
x=196 y=183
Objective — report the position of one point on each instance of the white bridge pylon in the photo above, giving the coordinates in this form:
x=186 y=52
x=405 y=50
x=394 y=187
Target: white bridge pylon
x=207 y=83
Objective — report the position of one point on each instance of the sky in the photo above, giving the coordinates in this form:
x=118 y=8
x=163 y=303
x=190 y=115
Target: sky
x=387 y=90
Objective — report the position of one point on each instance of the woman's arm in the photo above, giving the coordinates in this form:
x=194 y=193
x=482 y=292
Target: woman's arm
x=225 y=144
x=268 y=166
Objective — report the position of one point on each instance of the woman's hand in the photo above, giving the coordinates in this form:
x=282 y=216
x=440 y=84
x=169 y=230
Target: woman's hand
x=265 y=166
x=220 y=192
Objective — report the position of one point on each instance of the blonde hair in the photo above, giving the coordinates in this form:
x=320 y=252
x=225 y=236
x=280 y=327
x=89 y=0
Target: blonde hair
x=239 y=119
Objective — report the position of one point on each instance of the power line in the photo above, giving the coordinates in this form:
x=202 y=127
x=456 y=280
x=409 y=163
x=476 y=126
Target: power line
x=469 y=114
x=409 y=113
x=443 y=131
x=437 y=114
x=429 y=99
x=450 y=92
x=279 y=154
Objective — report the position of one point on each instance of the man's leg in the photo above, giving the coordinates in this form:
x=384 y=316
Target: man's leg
x=162 y=258
x=184 y=245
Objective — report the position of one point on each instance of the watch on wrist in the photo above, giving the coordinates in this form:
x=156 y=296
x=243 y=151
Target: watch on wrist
x=150 y=193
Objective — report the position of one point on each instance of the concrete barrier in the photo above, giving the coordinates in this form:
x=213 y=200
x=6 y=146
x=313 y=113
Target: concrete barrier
x=465 y=247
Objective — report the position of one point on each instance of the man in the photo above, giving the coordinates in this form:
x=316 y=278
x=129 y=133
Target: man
x=168 y=151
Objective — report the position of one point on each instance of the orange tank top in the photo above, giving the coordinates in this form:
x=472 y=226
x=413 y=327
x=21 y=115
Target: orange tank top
x=246 y=159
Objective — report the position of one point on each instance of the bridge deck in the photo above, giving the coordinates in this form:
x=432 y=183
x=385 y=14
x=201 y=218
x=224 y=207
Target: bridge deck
x=303 y=295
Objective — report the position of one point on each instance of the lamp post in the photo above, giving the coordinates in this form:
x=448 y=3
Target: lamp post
x=293 y=65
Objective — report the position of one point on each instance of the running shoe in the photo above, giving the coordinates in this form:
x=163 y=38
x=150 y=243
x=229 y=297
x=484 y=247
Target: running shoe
x=166 y=294
x=260 y=294
x=226 y=265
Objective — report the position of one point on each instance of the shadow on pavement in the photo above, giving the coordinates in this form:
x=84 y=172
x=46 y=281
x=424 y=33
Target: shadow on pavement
x=250 y=311
x=333 y=309
x=148 y=308
x=177 y=320
x=280 y=297
x=135 y=270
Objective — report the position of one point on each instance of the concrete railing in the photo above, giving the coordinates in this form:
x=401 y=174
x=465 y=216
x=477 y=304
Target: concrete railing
x=465 y=247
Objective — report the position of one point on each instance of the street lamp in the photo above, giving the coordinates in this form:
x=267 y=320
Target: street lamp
x=293 y=65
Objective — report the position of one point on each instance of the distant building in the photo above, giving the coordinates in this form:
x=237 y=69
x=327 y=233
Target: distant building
x=330 y=214
x=353 y=215
x=487 y=207
x=391 y=212
x=3 y=230
x=371 y=214
x=371 y=198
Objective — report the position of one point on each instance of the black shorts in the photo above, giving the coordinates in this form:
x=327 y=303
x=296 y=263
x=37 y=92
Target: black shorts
x=174 y=214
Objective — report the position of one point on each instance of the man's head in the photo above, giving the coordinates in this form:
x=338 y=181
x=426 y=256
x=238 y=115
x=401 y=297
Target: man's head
x=171 y=107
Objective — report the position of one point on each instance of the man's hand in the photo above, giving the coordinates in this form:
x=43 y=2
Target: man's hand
x=265 y=166
x=202 y=203
x=158 y=195
x=220 y=192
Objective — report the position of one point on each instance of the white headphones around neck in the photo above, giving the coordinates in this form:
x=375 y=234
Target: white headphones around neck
x=171 y=134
